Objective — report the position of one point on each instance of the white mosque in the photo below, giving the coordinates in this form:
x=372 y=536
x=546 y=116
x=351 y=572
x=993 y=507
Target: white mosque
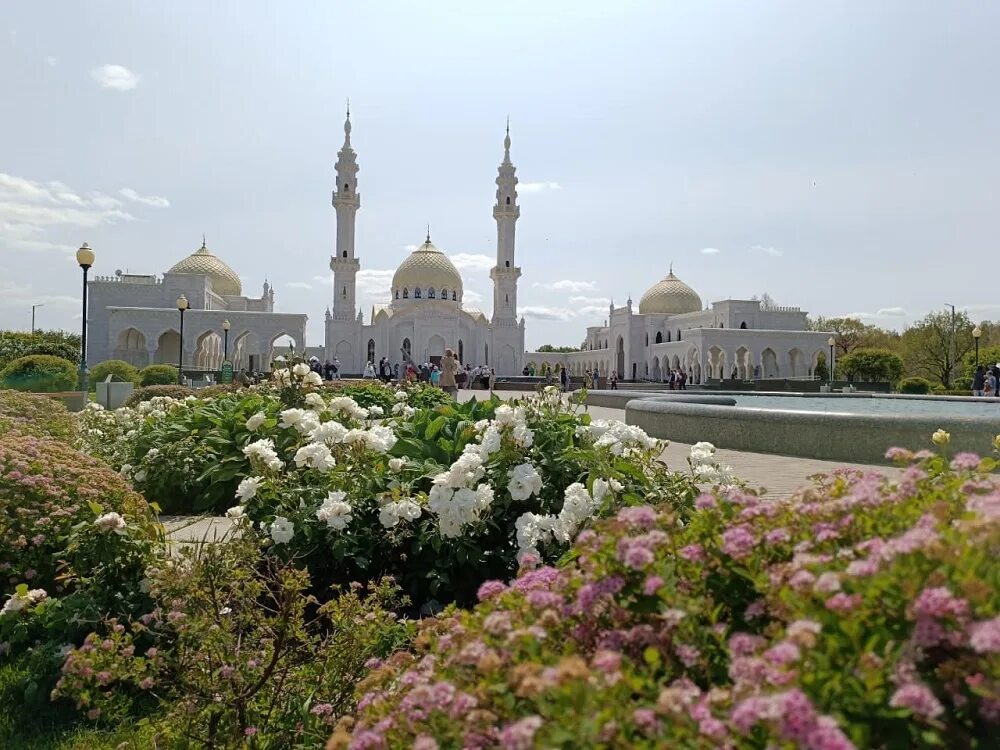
x=425 y=313
x=671 y=330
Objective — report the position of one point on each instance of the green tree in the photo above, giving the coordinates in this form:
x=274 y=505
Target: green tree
x=821 y=371
x=557 y=349
x=928 y=348
x=849 y=333
x=17 y=344
x=872 y=365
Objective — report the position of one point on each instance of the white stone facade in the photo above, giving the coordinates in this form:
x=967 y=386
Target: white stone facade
x=733 y=339
x=425 y=313
x=135 y=318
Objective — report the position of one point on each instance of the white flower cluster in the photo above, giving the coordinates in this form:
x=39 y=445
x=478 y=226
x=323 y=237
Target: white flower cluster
x=303 y=421
x=17 y=601
x=335 y=512
x=706 y=470
x=263 y=451
x=285 y=377
x=282 y=530
x=315 y=456
x=455 y=498
x=525 y=481
x=378 y=438
x=108 y=522
x=619 y=438
x=256 y=421
x=390 y=514
x=348 y=406
x=578 y=506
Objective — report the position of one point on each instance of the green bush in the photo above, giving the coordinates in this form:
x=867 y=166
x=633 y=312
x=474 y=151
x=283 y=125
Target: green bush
x=860 y=613
x=158 y=375
x=40 y=373
x=237 y=648
x=16 y=344
x=915 y=385
x=153 y=391
x=31 y=414
x=871 y=365
x=119 y=370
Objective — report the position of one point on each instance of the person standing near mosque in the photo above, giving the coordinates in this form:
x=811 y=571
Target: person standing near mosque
x=449 y=365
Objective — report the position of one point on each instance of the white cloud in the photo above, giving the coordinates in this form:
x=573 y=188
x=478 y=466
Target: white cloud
x=710 y=251
x=471 y=297
x=891 y=312
x=767 y=250
x=147 y=200
x=567 y=285
x=115 y=77
x=474 y=262
x=539 y=312
x=51 y=61
x=23 y=296
x=537 y=187
x=298 y=285
x=603 y=302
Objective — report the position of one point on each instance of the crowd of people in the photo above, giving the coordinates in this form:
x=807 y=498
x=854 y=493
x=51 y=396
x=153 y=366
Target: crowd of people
x=447 y=373
x=986 y=381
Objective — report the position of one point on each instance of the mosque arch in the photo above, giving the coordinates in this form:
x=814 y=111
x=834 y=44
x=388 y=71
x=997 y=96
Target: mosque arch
x=343 y=351
x=407 y=347
x=796 y=362
x=430 y=293
x=461 y=352
x=208 y=351
x=659 y=337
x=435 y=346
x=620 y=357
x=131 y=347
x=743 y=325
x=168 y=348
x=416 y=293
x=371 y=350
x=286 y=348
x=744 y=367
x=769 y=363
x=657 y=375
x=406 y=293
x=647 y=338
x=245 y=351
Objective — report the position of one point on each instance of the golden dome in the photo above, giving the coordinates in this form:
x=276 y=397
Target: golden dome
x=225 y=281
x=669 y=296
x=427 y=268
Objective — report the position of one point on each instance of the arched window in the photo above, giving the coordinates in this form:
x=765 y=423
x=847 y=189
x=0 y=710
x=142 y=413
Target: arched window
x=507 y=263
x=461 y=351
x=416 y=293
x=743 y=325
x=406 y=344
x=668 y=336
x=343 y=292
x=344 y=254
x=647 y=338
x=397 y=294
x=453 y=297
x=406 y=293
x=678 y=334
x=506 y=300
x=444 y=294
x=722 y=325
x=487 y=358
x=371 y=350
x=508 y=200
x=659 y=337
x=430 y=293
x=347 y=188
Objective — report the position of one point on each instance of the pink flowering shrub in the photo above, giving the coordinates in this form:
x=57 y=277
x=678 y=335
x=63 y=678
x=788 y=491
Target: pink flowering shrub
x=47 y=489
x=858 y=614
x=235 y=653
x=30 y=414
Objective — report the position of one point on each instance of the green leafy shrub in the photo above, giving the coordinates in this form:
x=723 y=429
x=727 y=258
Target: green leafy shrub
x=915 y=385
x=30 y=414
x=40 y=373
x=120 y=371
x=158 y=375
x=147 y=392
x=17 y=344
x=235 y=648
x=871 y=365
x=860 y=613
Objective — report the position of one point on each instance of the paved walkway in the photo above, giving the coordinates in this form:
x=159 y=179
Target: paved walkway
x=778 y=475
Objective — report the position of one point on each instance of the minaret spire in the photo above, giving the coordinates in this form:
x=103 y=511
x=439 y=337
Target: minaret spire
x=506 y=144
x=428 y=234
x=347 y=127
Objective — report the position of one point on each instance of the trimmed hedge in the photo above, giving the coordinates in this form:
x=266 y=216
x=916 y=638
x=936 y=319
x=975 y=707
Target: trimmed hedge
x=158 y=375
x=16 y=344
x=915 y=385
x=40 y=373
x=151 y=391
x=120 y=370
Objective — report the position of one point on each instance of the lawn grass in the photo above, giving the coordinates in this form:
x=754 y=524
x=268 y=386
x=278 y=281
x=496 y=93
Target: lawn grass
x=48 y=726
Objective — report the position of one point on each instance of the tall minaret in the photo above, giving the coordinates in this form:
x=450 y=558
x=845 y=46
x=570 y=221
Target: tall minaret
x=346 y=202
x=506 y=212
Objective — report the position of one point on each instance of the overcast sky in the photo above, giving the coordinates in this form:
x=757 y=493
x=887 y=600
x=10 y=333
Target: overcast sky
x=841 y=156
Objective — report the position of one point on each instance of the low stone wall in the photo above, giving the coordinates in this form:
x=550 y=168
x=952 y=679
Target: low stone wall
x=619 y=399
x=861 y=438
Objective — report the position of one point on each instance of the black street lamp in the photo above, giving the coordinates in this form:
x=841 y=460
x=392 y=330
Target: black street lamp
x=831 y=342
x=182 y=305
x=976 y=333
x=85 y=259
x=225 y=346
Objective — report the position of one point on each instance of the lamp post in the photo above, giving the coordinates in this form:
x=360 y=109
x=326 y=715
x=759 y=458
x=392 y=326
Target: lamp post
x=951 y=369
x=225 y=345
x=831 y=342
x=85 y=259
x=33 y=308
x=976 y=333
x=182 y=305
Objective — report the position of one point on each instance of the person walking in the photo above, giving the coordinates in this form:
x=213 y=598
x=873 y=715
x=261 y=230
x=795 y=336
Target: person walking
x=493 y=380
x=369 y=371
x=990 y=384
x=336 y=369
x=435 y=376
x=979 y=381
x=614 y=380
x=596 y=378
x=449 y=365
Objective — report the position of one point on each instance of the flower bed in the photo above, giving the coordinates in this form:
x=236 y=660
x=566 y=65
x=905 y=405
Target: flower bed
x=29 y=414
x=857 y=614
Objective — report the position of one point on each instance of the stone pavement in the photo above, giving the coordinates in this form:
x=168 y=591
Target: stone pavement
x=778 y=475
